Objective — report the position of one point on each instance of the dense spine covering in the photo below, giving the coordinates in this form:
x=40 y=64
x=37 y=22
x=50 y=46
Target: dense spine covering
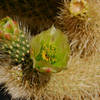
x=13 y=41
x=80 y=21
x=14 y=47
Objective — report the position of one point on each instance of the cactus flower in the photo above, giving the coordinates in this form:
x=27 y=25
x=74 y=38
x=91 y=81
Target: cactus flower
x=50 y=50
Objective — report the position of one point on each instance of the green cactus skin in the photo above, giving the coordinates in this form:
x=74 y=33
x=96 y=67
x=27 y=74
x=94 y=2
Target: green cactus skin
x=13 y=41
x=50 y=50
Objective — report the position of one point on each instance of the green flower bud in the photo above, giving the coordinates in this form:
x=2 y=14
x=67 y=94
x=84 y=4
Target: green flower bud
x=8 y=29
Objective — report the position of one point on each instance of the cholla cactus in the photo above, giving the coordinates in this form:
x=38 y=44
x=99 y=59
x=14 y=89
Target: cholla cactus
x=80 y=21
x=13 y=41
x=24 y=60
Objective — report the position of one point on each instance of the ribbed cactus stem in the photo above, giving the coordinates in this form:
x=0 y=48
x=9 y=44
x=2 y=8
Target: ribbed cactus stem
x=13 y=41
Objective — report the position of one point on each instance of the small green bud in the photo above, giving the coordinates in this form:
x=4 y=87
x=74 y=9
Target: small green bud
x=9 y=29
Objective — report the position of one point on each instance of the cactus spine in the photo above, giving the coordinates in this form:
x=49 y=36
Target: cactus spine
x=80 y=21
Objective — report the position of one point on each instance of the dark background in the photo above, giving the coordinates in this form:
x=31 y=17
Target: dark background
x=37 y=14
x=3 y=94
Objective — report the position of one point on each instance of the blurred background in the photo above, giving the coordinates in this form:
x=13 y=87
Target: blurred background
x=37 y=14
x=3 y=95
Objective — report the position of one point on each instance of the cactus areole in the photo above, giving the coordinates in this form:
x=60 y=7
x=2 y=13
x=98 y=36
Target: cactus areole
x=13 y=41
x=50 y=50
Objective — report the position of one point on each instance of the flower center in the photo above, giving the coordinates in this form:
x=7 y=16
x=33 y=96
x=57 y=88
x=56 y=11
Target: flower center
x=78 y=7
x=47 y=53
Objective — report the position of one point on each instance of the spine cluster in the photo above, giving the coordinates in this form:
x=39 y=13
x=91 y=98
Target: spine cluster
x=79 y=19
x=13 y=41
